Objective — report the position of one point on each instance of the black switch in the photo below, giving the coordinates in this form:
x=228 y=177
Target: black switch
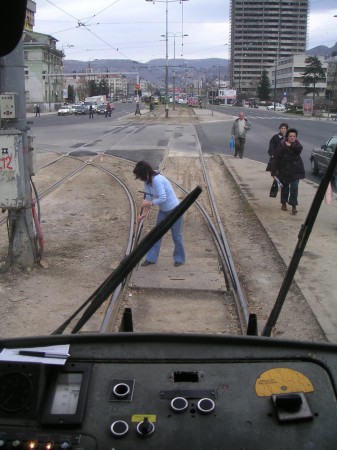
x=292 y=407
x=288 y=402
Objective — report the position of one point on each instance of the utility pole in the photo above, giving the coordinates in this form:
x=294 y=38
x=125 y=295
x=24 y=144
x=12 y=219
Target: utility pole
x=16 y=161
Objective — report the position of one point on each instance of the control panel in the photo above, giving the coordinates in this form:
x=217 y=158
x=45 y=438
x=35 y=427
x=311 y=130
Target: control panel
x=8 y=108
x=126 y=391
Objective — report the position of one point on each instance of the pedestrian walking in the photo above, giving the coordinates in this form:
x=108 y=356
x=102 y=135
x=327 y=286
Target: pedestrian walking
x=151 y=113
x=239 y=130
x=137 y=110
x=275 y=142
x=289 y=169
x=159 y=192
x=108 y=110
x=91 y=112
x=37 y=111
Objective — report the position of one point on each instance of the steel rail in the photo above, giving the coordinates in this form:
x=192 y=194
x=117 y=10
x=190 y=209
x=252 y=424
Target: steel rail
x=222 y=244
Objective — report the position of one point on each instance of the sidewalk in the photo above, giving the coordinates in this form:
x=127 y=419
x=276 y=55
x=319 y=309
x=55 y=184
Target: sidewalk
x=316 y=274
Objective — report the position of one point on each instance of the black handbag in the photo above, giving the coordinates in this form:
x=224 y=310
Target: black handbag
x=274 y=189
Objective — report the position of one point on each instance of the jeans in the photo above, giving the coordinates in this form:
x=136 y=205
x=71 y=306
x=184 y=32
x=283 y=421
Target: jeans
x=289 y=192
x=179 y=251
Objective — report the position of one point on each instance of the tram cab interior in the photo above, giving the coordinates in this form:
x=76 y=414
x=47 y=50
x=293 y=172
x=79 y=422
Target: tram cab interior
x=132 y=391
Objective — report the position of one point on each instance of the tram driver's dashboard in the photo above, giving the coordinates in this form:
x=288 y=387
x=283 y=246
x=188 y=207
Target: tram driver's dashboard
x=157 y=391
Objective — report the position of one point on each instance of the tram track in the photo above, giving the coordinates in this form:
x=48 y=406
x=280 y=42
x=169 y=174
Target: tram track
x=108 y=317
x=224 y=255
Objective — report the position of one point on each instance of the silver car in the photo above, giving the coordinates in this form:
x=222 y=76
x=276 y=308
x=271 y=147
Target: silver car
x=65 y=111
x=320 y=157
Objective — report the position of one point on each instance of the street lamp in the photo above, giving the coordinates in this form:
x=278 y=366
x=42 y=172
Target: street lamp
x=174 y=63
x=166 y=38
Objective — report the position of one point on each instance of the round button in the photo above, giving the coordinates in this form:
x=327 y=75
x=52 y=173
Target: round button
x=206 y=405
x=121 y=390
x=179 y=404
x=119 y=428
x=65 y=445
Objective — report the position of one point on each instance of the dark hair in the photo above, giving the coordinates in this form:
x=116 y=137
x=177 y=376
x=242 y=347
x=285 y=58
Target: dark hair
x=283 y=124
x=144 y=171
x=291 y=130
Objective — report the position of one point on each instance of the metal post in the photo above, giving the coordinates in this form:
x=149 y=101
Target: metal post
x=166 y=68
x=275 y=82
x=21 y=249
x=174 y=71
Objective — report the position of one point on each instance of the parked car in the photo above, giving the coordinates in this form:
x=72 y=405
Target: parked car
x=278 y=107
x=65 y=111
x=72 y=107
x=80 y=110
x=320 y=157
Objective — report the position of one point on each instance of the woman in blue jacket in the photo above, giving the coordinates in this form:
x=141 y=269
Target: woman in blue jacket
x=159 y=192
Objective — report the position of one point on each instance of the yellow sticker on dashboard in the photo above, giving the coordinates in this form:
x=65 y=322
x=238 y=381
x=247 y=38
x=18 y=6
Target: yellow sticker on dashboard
x=140 y=417
x=281 y=381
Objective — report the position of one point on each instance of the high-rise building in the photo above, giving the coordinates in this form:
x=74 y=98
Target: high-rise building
x=262 y=32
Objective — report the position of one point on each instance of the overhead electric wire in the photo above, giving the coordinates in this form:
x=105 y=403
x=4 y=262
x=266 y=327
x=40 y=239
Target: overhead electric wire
x=84 y=25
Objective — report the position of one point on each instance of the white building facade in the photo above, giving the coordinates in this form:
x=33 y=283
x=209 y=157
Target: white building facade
x=286 y=79
x=43 y=71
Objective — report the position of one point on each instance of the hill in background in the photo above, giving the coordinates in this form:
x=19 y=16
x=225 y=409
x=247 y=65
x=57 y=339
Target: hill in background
x=155 y=68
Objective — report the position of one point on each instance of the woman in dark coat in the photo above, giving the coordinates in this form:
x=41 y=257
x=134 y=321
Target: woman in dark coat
x=274 y=142
x=289 y=168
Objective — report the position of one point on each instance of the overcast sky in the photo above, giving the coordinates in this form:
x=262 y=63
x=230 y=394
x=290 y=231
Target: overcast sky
x=132 y=29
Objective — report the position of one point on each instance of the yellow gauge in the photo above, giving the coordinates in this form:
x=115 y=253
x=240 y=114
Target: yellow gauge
x=281 y=381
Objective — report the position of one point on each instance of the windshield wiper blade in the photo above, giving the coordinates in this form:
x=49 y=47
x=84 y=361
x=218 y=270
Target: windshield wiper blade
x=303 y=237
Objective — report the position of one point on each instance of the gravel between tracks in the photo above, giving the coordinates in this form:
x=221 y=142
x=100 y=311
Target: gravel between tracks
x=85 y=228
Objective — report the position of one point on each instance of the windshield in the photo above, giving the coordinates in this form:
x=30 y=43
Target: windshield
x=167 y=271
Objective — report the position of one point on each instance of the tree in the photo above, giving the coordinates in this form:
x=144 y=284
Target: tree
x=313 y=74
x=103 y=87
x=71 y=93
x=264 y=87
x=91 y=88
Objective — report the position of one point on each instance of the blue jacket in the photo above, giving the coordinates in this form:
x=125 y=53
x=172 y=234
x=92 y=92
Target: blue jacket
x=161 y=193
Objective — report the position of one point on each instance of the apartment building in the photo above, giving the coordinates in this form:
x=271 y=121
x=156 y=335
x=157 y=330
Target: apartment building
x=117 y=83
x=262 y=32
x=43 y=70
x=286 y=79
